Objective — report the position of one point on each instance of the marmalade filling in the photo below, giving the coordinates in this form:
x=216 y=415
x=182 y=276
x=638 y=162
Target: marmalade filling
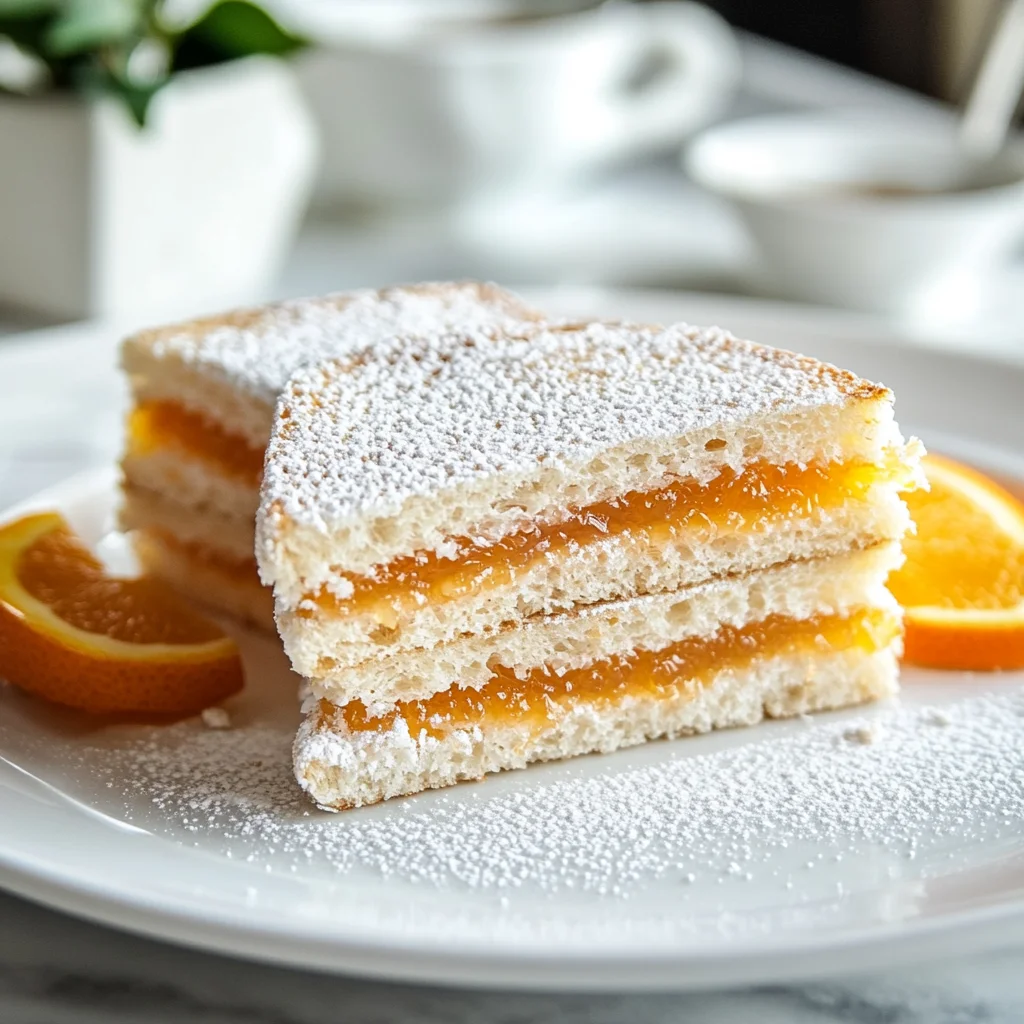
x=758 y=498
x=679 y=670
x=164 y=424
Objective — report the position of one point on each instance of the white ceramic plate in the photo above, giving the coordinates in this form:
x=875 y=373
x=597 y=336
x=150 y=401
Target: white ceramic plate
x=197 y=836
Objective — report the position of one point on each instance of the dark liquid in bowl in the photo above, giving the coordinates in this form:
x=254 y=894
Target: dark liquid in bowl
x=896 y=190
x=880 y=191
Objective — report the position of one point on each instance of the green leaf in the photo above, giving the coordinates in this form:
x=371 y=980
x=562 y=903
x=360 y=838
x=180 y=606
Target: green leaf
x=27 y=33
x=87 y=24
x=96 y=81
x=137 y=99
x=89 y=46
x=229 y=30
x=26 y=9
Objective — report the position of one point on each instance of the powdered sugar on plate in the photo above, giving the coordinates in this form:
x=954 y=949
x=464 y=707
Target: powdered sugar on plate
x=931 y=781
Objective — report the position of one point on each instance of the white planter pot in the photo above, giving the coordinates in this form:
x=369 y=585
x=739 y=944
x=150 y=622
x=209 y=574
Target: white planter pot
x=194 y=212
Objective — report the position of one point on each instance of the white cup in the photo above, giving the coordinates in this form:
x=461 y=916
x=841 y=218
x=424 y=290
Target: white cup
x=855 y=209
x=454 y=111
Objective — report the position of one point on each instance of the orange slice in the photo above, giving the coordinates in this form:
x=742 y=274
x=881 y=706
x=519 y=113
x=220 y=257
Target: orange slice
x=76 y=636
x=962 y=586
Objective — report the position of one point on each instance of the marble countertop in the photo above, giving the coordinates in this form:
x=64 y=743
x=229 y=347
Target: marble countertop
x=54 y=970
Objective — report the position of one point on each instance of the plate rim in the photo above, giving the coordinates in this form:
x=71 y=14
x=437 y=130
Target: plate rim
x=901 y=942
x=798 y=957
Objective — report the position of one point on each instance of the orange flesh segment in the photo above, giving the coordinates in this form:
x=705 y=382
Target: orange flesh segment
x=75 y=636
x=962 y=585
x=534 y=703
x=760 y=497
x=957 y=559
x=59 y=572
x=156 y=425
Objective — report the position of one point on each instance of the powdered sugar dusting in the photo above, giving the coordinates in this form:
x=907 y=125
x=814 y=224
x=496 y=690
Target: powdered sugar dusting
x=932 y=780
x=416 y=415
x=215 y=718
x=258 y=350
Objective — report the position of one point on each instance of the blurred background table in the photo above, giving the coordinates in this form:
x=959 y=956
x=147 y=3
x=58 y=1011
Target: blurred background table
x=54 y=969
x=643 y=226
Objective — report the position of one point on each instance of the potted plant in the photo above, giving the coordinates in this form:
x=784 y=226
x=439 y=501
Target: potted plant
x=147 y=167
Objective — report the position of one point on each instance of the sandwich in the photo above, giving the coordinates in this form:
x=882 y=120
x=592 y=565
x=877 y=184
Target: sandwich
x=488 y=549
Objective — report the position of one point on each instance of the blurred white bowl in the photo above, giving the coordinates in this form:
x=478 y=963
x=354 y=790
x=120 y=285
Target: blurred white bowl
x=860 y=210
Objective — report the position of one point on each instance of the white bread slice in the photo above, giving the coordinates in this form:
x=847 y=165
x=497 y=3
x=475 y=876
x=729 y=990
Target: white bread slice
x=227 y=537
x=231 y=368
x=219 y=588
x=569 y=640
x=340 y=770
x=189 y=482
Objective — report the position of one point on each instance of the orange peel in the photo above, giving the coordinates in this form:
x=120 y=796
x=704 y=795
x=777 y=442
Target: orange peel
x=76 y=636
x=962 y=585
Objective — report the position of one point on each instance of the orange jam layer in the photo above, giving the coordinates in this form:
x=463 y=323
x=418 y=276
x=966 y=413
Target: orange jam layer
x=153 y=426
x=760 y=497
x=679 y=670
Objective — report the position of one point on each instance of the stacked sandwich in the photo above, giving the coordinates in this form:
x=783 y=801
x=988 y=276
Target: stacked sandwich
x=490 y=547
x=203 y=405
